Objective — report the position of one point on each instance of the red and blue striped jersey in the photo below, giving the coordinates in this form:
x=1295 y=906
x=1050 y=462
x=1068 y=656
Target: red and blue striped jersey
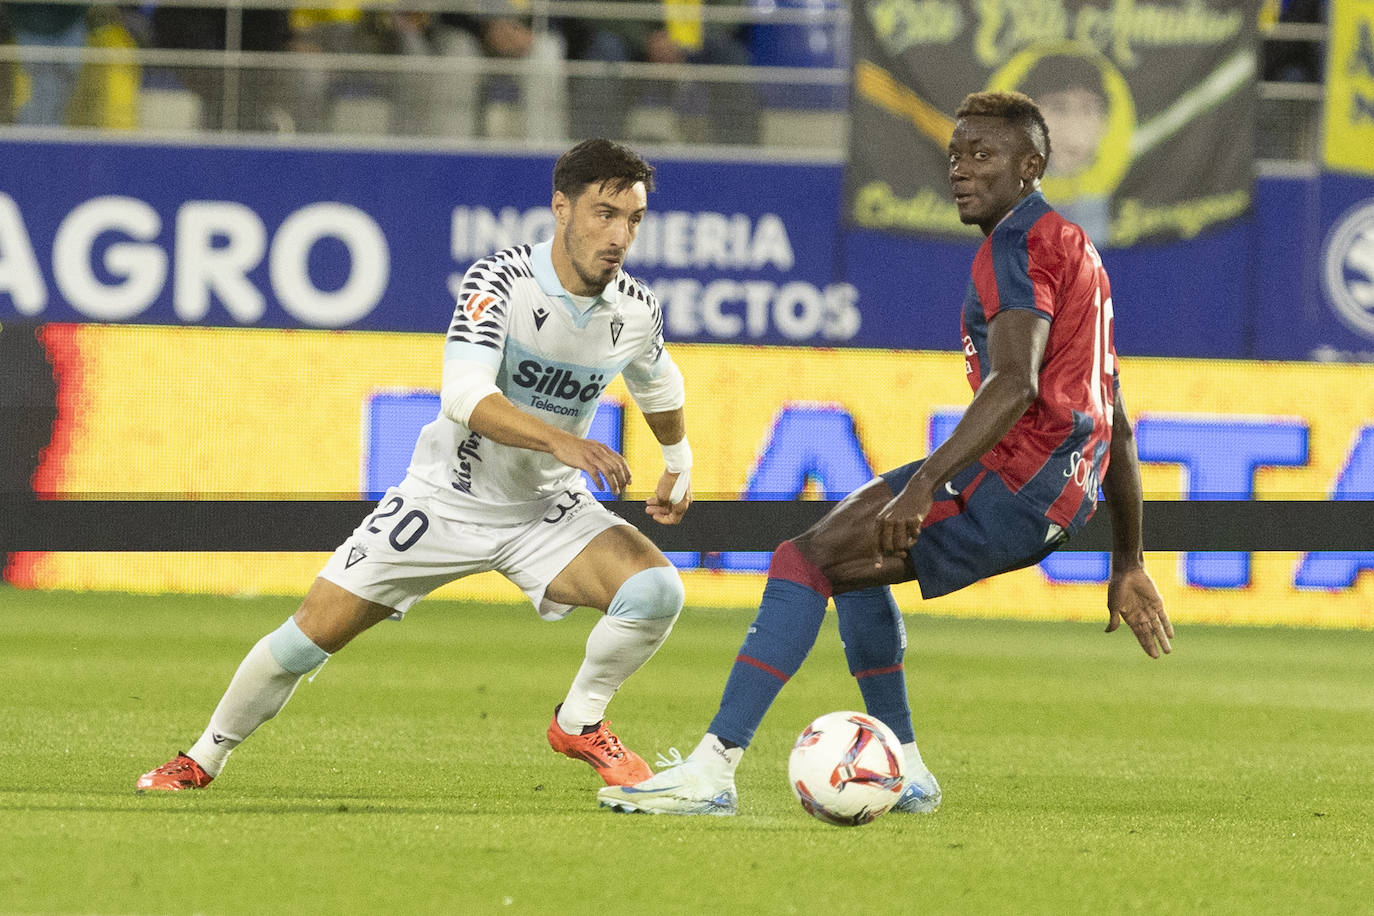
x=1056 y=453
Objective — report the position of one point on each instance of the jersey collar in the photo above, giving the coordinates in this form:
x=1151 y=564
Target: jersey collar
x=541 y=259
x=1036 y=195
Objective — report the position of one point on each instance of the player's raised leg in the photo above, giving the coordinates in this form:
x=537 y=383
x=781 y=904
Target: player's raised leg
x=621 y=572
x=326 y=621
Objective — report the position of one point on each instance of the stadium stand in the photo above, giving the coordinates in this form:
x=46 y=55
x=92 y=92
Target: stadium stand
x=799 y=70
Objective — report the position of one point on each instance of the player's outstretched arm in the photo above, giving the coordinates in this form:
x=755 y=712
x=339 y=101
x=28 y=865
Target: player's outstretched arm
x=1131 y=593
x=673 y=494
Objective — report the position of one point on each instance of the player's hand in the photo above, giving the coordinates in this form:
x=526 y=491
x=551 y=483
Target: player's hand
x=1132 y=597
x=899 y=522
x=661 y=507
x=603 y=464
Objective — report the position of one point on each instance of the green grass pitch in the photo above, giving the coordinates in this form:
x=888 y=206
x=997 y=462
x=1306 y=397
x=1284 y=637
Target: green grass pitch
x=412 y=776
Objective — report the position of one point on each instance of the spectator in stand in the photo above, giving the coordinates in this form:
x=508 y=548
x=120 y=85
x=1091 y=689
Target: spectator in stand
x=504 y=30
x=680 y=35
x=340 y=29
x=452 y=101
x=266 y=98
x=45 y=26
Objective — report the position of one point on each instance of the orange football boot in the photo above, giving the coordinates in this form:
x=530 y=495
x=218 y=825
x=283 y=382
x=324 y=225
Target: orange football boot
x=613 y=762
x=181 y=772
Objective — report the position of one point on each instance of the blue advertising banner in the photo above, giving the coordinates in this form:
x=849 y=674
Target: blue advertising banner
x=375 y=240
x=737 y=251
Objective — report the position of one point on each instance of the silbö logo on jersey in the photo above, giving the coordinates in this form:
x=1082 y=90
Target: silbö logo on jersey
x=558 y=390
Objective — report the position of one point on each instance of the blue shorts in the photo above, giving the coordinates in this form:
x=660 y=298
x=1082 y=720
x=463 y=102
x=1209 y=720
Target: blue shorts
x=976 y=529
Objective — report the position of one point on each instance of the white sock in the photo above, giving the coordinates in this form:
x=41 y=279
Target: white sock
x=616 y=648
x=914 y=764
x=716 y=760
x=258 y=691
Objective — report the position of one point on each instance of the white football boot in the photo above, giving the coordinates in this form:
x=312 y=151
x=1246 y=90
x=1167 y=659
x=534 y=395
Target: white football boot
x=921 y=795
x=704 y=783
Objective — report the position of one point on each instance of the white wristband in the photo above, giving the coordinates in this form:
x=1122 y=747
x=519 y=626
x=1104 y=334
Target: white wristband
x=677 y=458
x=684 y=480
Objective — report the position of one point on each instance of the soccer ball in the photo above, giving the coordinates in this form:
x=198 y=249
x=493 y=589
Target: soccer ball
x=847 y=768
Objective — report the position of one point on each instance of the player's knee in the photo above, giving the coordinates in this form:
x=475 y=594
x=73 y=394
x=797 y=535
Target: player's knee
x=785 y=556
x=655 y=593
x=293 y=650
x=791 y=563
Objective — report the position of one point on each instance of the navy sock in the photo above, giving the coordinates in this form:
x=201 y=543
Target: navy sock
x=874 y=645
x=779 y=640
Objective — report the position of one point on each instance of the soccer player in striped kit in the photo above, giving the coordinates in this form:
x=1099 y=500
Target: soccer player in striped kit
x=1017 y=477
x=495 y=481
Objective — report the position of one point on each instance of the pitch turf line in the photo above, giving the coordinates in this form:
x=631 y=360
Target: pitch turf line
x=412 y=775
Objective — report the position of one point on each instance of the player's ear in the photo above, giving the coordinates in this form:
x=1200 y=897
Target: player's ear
x=562 y=207
x=1032 y=167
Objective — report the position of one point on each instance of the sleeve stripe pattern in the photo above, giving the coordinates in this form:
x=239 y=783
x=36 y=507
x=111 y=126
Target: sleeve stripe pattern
x=629 y=286
x=480 y=315
x=1011 y=266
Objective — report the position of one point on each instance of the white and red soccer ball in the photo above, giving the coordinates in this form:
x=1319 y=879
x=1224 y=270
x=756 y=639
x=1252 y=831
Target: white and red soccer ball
x=847 y=768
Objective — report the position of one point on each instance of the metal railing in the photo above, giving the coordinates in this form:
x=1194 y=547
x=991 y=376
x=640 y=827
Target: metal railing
x=391 y=96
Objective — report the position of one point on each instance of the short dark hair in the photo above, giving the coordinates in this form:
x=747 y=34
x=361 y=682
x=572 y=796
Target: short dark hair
x=1017 y=107
x=600 y=162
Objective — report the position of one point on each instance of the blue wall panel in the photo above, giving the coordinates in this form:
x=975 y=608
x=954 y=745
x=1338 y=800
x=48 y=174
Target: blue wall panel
x=740 y=252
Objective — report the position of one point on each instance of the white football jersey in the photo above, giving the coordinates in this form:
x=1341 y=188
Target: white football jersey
x=552 y=359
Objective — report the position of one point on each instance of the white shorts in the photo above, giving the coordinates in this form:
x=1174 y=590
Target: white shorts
x=406 y=549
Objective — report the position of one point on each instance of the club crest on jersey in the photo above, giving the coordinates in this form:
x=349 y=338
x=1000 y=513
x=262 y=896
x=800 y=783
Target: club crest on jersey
x=616 y=327
x=477 y=305
x=540 y=316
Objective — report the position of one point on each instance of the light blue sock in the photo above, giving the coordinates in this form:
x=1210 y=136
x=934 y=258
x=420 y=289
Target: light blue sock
x=293 y=650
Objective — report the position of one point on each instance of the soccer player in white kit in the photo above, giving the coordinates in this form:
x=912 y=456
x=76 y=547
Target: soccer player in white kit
x=495 y=480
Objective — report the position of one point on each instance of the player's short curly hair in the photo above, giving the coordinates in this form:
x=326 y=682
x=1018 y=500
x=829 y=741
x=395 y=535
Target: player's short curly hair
x=603 y=163
x=1017 y=107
